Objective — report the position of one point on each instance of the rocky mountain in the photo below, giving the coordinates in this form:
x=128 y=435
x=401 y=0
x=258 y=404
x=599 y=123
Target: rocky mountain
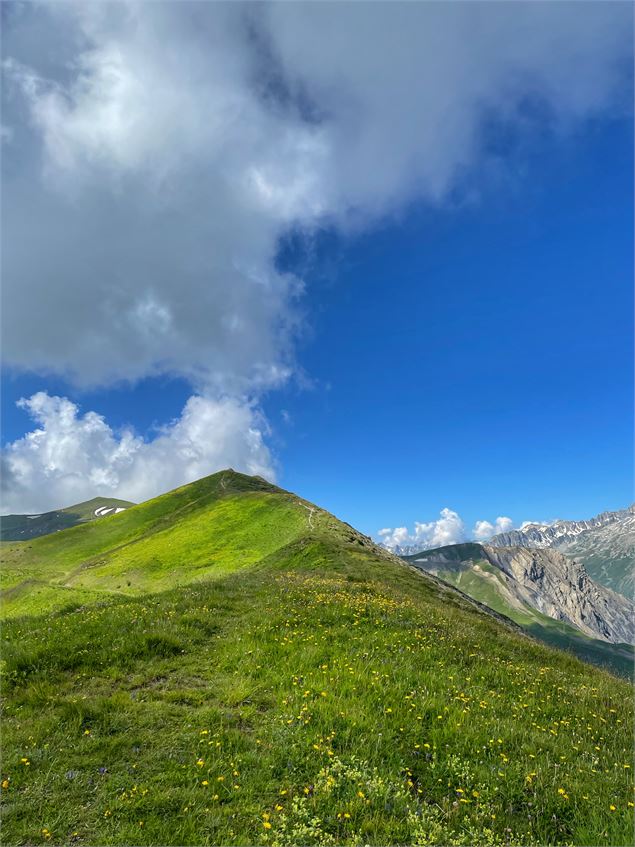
x=562 y=589
x=534 y=587
x=404 y=550
x=605 y=545
x=25 y=527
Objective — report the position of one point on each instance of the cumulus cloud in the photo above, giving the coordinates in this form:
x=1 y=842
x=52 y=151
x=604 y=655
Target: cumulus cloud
x=70 y=456
x=448 y=529
x=155 y=248
x=177 y=142
x=484 y=530
x=155 y=153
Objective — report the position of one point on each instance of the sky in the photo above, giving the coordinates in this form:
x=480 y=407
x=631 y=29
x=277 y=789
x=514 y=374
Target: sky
x=379 y=253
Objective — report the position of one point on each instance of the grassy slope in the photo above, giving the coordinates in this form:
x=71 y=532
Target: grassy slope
x=324 y=694
x=221 y=522
x=25 y=527
x=479 y=584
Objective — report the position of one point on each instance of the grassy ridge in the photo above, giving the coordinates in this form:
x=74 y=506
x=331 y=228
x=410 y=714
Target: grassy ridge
x=200 y=531
x=323 y=695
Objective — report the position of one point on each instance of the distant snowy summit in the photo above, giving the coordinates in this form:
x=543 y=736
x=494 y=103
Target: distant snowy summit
x=102 y=511
x=620 y=524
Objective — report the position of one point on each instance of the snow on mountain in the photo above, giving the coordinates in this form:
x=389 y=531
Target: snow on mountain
x=605 y=545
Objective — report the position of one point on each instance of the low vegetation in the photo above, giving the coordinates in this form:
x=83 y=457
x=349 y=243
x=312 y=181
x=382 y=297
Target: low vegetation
x=318 y=693
x=486 y=584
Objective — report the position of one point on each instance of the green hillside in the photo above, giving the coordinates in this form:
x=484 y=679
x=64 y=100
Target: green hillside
x=227 y=664
x=485 y=584
x=25 y=527
x=200 y=531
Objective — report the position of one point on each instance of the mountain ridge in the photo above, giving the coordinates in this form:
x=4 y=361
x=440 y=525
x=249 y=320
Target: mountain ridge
x=106 y=555
x=558 y=531
x=605 y=544
x=22 y=527
x=230 y=664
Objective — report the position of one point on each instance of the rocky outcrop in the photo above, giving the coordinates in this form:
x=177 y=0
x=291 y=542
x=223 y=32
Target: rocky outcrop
x=526 y=579
x=562 y=589
x=604 y=544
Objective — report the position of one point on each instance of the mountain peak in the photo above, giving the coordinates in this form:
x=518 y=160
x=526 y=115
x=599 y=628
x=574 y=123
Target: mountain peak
x=605 y=544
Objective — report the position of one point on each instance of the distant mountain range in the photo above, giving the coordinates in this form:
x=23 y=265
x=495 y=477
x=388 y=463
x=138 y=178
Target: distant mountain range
x=24 y=527
x=604 y=544
x=545 y=592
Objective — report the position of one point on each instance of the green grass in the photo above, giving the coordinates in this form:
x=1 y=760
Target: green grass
x=202 y=531
x=25 y=527
x=323 y=694
x=464 y=567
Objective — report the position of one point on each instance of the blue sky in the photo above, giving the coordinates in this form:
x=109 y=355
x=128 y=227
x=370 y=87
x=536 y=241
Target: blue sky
x=479 y=357
x=463 y=344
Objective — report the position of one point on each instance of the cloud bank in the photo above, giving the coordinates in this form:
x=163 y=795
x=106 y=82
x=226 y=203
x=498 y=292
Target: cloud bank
x=449 y=528
x=71 y=457
x=484 y=530
x=155 y=153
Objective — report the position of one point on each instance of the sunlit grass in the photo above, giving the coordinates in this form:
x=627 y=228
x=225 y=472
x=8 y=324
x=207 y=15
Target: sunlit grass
x=324 y=696
x=202 y=531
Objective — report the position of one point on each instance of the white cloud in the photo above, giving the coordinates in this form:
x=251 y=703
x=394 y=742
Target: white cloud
x=448 y=529
x=484 y=530
x=72 y=457
x=178 y=142
x=158 y=152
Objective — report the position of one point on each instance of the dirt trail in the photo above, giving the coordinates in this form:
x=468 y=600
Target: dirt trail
x=310 y=510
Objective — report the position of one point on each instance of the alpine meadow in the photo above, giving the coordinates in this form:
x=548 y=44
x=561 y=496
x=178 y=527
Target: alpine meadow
x=316 y=494
x=228 y=663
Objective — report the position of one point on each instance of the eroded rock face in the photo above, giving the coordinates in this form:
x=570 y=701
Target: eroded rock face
x=562 y=589
x=605 y=545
